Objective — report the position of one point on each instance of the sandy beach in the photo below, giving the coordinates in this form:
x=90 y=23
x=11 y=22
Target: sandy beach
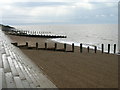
x=73 y=69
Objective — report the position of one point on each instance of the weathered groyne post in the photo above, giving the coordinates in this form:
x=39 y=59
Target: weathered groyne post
x=72 y=47
x=108 y=48
x=36 y=45
x=46 y=46
x=16 y=44
x=65 y=47
x=55 y=46
x=114 y=48
x=26 y=44
x=95 y=49
x=81 y=47
x=88 y=49
x=102 y=48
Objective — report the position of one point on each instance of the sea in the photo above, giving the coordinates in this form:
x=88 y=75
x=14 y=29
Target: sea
x=88 y=34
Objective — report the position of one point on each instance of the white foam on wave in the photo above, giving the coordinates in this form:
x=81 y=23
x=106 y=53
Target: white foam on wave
x=91 y=46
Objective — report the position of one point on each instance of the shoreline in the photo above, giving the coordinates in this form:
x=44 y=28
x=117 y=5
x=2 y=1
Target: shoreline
x=85 y=46
x=52 y=41
x=73 y=69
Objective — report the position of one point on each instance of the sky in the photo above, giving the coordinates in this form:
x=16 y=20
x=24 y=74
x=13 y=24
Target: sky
x=22 y=12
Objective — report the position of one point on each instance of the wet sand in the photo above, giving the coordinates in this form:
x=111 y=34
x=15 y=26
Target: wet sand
x=73 y=69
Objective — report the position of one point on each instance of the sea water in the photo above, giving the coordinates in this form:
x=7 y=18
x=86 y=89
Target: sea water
x=87 y=34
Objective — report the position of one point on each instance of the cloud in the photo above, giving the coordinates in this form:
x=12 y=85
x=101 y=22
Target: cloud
x=51 y=11
x=62 y=11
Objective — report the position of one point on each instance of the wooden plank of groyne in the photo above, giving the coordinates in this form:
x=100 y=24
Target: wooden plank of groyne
x=55 y=46
x=81 y=47
x=108 y=48
x=45 y=45
x=102 y=48
x=9 y=80
x=114 y=48
x=95 y=49
x=64 y=46
x=36 y=45
x=88 y=49
x=72 y=47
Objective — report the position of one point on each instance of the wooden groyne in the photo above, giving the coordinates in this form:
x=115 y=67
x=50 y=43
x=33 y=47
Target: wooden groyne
x=64 y=49
x=35 y=34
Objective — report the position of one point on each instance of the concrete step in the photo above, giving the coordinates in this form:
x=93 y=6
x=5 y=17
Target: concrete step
x=34 y=76
x=22 y=68
x=32 y=85
x=7 y=52
x=5 y=63
x=9 y=80
x=19 y=70
x=47 y=83
x=18 y=82
x=31 y=76
x=1 y=61
x=11 y=54
x=42 y=83
x=25 y=73
x=1 y=78
x=26 y=84
x=4 y=85
x=15 y=56
x=12 y=66
x=41 y=79
x=3 y=50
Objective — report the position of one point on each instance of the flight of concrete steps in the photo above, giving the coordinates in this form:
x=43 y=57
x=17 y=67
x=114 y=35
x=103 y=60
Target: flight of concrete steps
x=17 y=70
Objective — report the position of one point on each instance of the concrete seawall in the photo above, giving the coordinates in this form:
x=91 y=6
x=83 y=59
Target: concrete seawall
x=17 y=70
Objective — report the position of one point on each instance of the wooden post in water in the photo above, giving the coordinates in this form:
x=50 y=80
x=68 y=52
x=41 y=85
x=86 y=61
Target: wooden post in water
x=95 y=49
x=64 y=46
x=72 y=47
x=27 y=32
x=114 y=48
x=108 y=48
x=45 y=45
x=81 y=47
x=36 y=45
x=88 y=49
x=102 y=48
x=20 y=33
x=55 y=46
x=26 y=44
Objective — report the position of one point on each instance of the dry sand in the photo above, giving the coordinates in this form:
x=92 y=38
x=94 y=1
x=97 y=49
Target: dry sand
x=73 y=69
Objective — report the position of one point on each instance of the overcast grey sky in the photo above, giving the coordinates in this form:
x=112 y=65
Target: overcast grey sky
x=59 y=11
